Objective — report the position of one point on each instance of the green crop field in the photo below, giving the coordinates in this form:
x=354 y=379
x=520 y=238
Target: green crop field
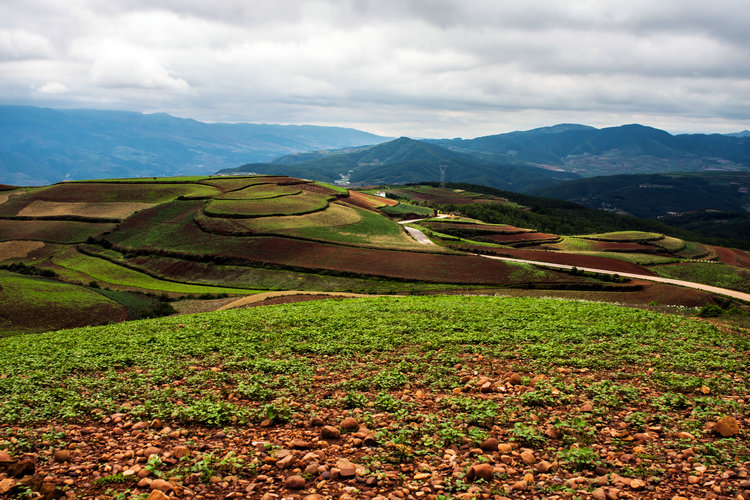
x=577 y=388
x=109 y=273
x=371 y=230
x=406 y=208
x=31 y=304
x=624 y=236
x=709 y=273
x=261 y=191
x=282 y=205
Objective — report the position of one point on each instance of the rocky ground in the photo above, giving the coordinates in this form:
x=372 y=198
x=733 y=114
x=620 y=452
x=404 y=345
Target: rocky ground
x=315 y=451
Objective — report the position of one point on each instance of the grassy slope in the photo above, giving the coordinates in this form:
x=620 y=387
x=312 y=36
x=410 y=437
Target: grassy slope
x=710 y=273
x=108 y=272
x=30 y=304
x=636 y=369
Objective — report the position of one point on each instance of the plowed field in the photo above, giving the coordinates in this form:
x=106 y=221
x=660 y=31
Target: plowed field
x=577 y=260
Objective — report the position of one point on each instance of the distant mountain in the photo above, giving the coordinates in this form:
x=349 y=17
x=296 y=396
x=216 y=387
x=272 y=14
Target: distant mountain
x=627 y=149
x=42 y=146
x=657 y=195
x=744 y=133
x=405 y=160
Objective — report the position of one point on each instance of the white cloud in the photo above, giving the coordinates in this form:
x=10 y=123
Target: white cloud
x=17 y=44
x=413 y=67
x=119 y=65
x=53 y=88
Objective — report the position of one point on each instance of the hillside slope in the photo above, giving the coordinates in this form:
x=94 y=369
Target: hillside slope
x=655 y=195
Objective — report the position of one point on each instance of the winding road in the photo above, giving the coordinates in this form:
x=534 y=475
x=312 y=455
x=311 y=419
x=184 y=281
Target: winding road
x=421 y=238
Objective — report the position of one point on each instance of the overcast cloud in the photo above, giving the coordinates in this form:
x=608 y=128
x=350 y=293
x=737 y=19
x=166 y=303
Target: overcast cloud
x=421 y=68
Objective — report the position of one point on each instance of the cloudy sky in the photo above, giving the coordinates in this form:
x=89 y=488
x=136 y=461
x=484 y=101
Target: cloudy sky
x=422 y=68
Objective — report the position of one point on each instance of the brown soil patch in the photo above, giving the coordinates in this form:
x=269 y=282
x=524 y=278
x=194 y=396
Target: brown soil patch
x=109 y=210
x=732 y=257
x=285 y=296
x=4 y=198
x=18 y=249
x=489 y=228
x=616 y=265
x=368 y=201
x=520 y=237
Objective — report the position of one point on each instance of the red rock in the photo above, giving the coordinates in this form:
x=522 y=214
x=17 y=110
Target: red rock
x=161 y=485
x=157 y=495
x=180 y=452
x=489 y=444
x=504 y=448
x=553 y=433
x=6 y=485
x=516 y=379
x=156 y=424
x=330 y=432
x=300 y=444
x=5 y=457
x=587 y=407
x=151 y=450
x=637 y=484
x=480 y=471
x=295 y=482
x=543 y=466
x=349 y=425
x=62 y=455
x=527 y=457
x=21 y=468
x=139 y=426
x=286 y=462
x=599 y=494
x=727 y=426
x=641 y=436
x=317 y=422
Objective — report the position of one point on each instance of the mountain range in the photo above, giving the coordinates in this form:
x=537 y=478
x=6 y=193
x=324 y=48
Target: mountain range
x=627 y=149
x=403 y=161
x=42 y=146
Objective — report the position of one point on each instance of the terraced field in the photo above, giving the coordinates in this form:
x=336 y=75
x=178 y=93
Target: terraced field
x=33 y=304
x=270 y=205
x=194 y=236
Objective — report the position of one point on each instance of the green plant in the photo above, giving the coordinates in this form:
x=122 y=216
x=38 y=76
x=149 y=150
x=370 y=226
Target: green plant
x=528 y=435
x=580 y=458
x=277 y=412
x=355 y=400
x=112 y=479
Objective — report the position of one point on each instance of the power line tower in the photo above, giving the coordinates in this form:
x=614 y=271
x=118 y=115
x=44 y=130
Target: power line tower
x=443 y=168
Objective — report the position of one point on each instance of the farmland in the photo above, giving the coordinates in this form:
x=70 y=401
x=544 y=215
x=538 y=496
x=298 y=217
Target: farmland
x=192 y=236
x=516 y=397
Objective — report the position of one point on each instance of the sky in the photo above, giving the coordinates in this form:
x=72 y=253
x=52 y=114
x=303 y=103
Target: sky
x=419 y=68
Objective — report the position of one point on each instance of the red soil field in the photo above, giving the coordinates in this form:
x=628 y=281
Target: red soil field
x=520 y=237
x=732 y=257
x=367 y=201
x=623 y=246
x=51 y=231
x=619 y=266
x=489 y=228
x=110 y=191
